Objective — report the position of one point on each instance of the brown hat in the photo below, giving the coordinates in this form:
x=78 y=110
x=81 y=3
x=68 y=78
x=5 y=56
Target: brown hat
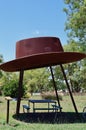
x=40 y=52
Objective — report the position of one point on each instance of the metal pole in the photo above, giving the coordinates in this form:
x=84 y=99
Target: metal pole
x=57 y=96
x=7 y=120
x=69 y=89
x=8 y=107
x=19 y=92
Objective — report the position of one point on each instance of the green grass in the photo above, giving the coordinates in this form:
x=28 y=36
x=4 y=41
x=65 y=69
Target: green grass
x=20 y=125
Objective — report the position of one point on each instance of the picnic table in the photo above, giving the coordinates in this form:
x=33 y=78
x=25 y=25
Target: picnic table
x=47 y=101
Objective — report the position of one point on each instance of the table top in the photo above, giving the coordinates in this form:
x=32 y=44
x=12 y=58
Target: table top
x=42 y=101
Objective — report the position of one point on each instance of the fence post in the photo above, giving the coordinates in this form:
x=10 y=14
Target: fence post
x=8 y=106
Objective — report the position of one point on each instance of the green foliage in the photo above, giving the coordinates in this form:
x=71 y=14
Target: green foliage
x=76 y=28
x=1 y=58
x=1 y=74
x=79 y=79
x=11 y=89
x=36 y=80
x=76 y=71
x=73 y=46
x=59 y=79
x=10 y=85
x=27 y=95
x=76 y=20
x=39 y=80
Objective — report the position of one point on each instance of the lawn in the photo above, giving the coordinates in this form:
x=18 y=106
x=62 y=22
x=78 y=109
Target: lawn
x=21 y=125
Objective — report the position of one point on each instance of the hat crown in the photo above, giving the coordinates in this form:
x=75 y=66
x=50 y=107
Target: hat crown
x=34 y=46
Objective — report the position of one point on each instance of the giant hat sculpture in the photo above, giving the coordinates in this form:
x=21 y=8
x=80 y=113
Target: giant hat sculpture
x=40 y=52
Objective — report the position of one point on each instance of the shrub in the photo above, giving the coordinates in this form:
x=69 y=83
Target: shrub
x=11 y=89
x=50 y=95
x=27 y=95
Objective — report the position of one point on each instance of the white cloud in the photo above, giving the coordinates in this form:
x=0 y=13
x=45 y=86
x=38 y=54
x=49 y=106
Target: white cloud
x=36 y=32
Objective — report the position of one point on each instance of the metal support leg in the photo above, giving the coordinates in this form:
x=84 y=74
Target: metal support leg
x=19 y=92
x=69 y=89
x=57 y=96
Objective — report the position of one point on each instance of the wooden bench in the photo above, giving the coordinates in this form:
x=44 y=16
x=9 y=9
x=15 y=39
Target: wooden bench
x=56 y=108
x=53 y=109
x=26 y=107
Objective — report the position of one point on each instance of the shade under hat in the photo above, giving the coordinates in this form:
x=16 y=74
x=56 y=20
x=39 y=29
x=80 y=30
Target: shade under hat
x=40 y=52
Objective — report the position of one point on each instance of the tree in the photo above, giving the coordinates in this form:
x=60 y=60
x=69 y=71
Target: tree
x=59 y=79
x=36 y=80
x=10 y=85
x=76 y=30
x=75 y=71
x=76 y=21
x=1 y=74
x=1 y=60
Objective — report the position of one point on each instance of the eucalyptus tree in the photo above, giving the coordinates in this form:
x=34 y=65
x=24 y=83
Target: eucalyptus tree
x=37 y=80
x=75 y=71
x=1 y=60
x=76 y=21
x=76 y=30
x=1 y=74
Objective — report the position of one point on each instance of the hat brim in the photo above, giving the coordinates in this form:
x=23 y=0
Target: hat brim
x=41 y=60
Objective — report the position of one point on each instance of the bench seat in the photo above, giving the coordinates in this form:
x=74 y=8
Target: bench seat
x=55 y=107
x=26 y=107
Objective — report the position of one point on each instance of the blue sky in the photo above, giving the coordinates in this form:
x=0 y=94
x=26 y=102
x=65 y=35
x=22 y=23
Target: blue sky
x=20 y=19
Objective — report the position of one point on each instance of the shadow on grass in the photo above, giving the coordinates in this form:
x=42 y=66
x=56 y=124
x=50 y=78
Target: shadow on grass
x=51 y=117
